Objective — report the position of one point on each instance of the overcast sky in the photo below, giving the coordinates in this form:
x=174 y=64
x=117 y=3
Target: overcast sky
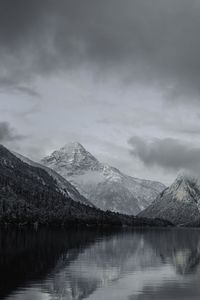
x=120 y=76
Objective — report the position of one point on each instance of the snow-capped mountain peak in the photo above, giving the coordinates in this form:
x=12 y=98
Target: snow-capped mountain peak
x=64 y=186
x=104 y=186
x=73 y=157
x=182 y=186
x=73 y=148
x=179 y=203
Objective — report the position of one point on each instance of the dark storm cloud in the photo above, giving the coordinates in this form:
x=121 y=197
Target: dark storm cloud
x=8 y=134
x=27 y=90
x=168 y=153
x=150 y=41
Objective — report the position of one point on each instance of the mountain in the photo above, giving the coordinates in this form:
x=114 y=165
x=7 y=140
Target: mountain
x=179 y=203
x=105 y=186
x=29 y=194
x=64 y=186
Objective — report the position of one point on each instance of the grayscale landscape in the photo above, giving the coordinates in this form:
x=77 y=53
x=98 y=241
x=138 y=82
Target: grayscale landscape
x=99 y=149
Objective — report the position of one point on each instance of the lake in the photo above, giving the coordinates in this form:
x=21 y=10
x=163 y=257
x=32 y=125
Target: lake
x=142 y=264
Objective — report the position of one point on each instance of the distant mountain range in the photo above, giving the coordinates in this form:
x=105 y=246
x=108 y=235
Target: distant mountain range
x=31 y=194
x=103 y=185
x=34 y=193
x=179 y=203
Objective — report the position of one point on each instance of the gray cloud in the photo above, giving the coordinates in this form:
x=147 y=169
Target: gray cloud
x=73 y=68
x=27 y=90
x=170 y=154
x=155 y=41
x=8 y=134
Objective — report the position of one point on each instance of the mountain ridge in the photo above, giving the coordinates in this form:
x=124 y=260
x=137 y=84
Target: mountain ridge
x=103 y=185
x=29 y=195
x=179 y=203
x=65 y=186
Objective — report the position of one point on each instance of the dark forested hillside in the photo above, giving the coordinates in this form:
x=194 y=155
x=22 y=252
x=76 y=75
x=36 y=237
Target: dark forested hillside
x=29 y=194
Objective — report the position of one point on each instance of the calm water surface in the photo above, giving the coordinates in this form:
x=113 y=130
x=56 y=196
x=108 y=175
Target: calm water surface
x=142 y=264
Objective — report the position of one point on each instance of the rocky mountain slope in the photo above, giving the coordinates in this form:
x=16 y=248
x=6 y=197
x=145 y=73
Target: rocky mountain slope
x=179 y=203
x=64 y=186
x=106 y=187
x=28 y=194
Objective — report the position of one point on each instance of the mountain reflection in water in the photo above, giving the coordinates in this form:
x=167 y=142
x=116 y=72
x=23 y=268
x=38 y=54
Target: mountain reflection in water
x=59 y=264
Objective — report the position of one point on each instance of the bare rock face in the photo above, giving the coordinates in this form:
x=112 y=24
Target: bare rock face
x=179 y=203
x=104 y=186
